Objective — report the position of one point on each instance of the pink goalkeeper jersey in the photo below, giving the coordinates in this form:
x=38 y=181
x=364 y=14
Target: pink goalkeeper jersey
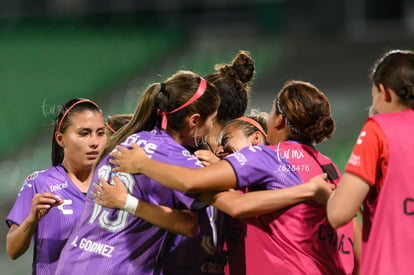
x=389 y=248
x=297 y=239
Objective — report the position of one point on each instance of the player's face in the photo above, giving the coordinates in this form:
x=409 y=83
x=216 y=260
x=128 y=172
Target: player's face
x=232 y=140
x=84 y=139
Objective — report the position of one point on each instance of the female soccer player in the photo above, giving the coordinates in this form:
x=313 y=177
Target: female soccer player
x=107 y=241
x=379 y=172
x=233 y=84
x=208 y=257
x=295 y=240
x=51 y=201
x=242 y=132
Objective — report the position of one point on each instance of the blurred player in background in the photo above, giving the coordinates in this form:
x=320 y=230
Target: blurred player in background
x=115 y=122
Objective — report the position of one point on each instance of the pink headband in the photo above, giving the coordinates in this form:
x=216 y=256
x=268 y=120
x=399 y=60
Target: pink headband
x=254 y=123
x=110 y=128
x=200 y=91
x=70 y=108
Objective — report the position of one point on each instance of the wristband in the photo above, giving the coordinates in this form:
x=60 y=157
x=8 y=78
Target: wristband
x=131 y=204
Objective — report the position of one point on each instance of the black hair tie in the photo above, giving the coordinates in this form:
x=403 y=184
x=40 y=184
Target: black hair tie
x=162 y=89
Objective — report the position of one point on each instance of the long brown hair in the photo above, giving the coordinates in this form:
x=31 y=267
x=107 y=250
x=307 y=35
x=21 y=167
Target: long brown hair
x=177 y=90
x=306 y=111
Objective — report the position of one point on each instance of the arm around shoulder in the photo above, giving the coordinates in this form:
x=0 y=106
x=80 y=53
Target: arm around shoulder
x=218 y=176
x=257 y=203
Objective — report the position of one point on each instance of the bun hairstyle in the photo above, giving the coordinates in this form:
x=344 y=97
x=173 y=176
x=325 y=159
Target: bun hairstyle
x=395 y=70
x=306 y=111
x=232 y=82
x=242 y=67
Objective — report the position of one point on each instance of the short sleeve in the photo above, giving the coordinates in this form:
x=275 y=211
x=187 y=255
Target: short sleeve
x=369 y=157
x=23 y=204
x=257 y=166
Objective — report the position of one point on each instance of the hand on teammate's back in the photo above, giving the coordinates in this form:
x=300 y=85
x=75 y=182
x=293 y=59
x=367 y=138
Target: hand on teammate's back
x=128 y=160
x=206 y=157
x=322 y=188
x=112 y=196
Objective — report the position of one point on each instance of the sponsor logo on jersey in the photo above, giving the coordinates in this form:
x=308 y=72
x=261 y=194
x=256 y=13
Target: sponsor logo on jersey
x=58 y=186
x=240 y=158
x=148 y=147
x=409 y=206
x=361 y=137
x=355 y=160
x=66 y=210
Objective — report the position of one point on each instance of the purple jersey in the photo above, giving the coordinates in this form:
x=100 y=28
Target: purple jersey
x=110 y=241
x=257 y=168
x=54 y=228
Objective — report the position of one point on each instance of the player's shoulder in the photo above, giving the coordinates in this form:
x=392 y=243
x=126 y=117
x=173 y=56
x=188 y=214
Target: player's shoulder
x=150 y=141
x=251 y=154
x=162 y=143
x=47 y=175
x=371 y=133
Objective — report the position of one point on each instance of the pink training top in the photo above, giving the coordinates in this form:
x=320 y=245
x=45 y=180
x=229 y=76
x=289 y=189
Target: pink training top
x=299 y=239
x=389 y=249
